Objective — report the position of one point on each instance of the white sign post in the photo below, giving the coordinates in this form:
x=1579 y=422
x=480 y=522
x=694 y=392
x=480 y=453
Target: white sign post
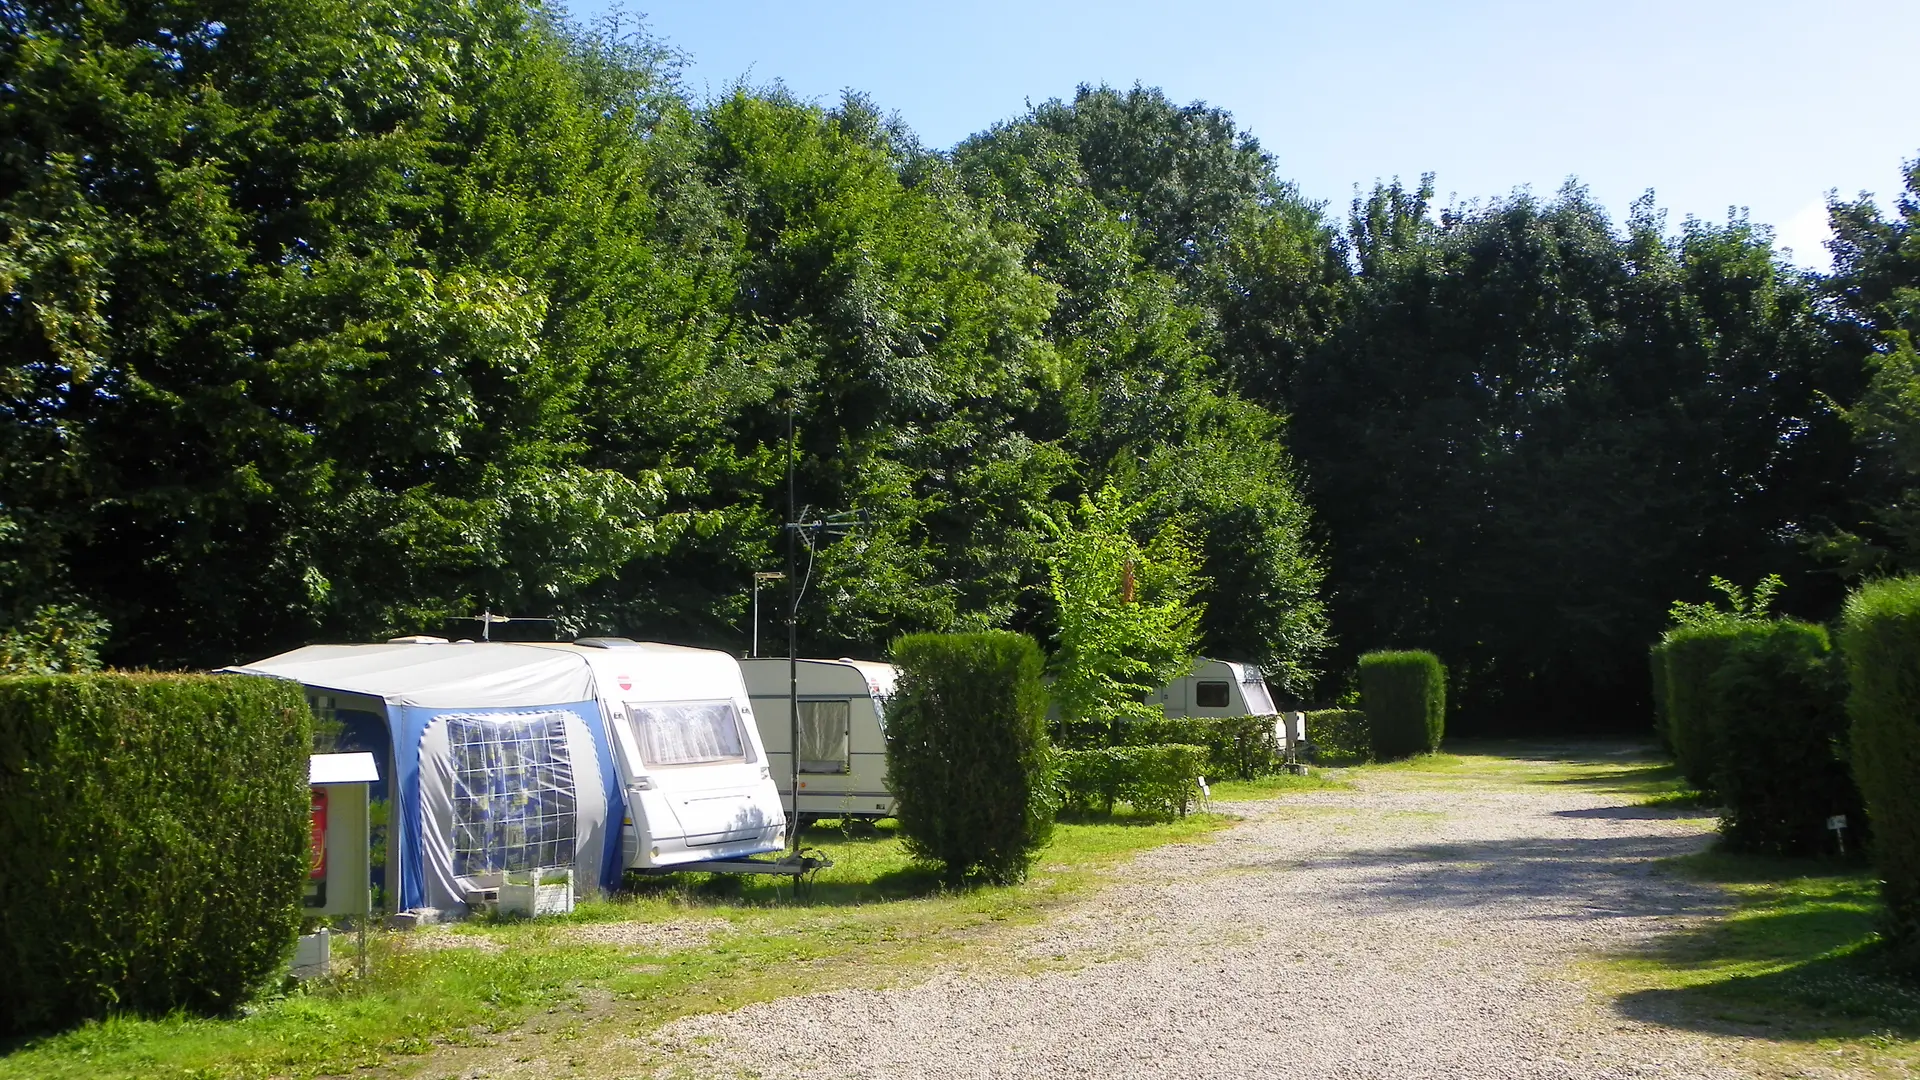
x=341 y=879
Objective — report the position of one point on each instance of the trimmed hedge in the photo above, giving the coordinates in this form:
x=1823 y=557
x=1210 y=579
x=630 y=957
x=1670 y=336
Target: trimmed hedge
x=1339 y=736
x=1693 y=654
x=1159 y=779
x=153 y=842
x=1240 y=747
x=968 y=759
x=1657 y=669
x=1404 y=694
x=1880 y=638
x=1778 y=715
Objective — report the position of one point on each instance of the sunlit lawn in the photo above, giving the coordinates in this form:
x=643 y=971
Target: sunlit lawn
x=874 y=917
x=1796 y=959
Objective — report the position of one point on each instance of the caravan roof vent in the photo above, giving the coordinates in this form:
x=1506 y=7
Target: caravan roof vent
x=606 y=642
x=417 y=639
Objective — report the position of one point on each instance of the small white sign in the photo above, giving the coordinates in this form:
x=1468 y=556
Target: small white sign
x=1837 y=822
x=1205 y=791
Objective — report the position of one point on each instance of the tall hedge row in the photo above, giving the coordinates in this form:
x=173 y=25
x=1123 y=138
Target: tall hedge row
x=968 y=759
x=153 y=842
x=1404 y=694
x=1657 y=668
x=1880 y=638
x=1693 y=654
x=1777 y=714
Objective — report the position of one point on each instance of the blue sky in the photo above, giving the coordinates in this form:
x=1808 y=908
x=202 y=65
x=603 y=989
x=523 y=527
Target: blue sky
x=1763 y=104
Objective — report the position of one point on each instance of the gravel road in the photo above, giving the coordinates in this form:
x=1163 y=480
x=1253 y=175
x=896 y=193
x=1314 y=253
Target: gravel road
x=1410 y=927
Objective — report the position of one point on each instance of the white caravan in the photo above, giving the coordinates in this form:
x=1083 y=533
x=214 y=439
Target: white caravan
x=510 y=757
x=698 y=780
x=843 y=740
x=1217 y=688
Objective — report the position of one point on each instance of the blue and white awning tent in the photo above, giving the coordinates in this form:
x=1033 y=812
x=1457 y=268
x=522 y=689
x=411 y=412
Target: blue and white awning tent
x=499 y=756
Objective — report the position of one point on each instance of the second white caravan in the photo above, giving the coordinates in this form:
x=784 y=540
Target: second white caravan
x=843 y=740
x=1217 y=688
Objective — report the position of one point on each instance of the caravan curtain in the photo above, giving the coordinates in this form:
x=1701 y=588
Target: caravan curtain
x=689 y=733
x=823 y=736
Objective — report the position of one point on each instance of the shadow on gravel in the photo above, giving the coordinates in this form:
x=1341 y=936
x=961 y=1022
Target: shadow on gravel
x=1568 y=877
x=1668 y=812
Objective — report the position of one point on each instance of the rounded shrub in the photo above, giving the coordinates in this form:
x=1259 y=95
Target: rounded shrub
x=1404 y=694
x=968 y=759
x=153 y=842
x=1880 y=638
x=1777 y=707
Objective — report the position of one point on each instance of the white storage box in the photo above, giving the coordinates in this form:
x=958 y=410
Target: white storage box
x=313 y=955
x=537 y=892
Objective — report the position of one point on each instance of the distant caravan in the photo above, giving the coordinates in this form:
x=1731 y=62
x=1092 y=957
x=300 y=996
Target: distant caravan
x=843 y=739
x=1217 y=688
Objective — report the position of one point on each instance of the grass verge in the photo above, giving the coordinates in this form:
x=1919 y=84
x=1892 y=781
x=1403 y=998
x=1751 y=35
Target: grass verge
x=1609 y=767
x=688 y=943
x=1796 y=961
x=1267 y=787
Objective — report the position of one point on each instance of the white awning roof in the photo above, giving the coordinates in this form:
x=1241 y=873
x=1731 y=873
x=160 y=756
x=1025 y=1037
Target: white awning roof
x=880 y=677
x=478 y=675
x=353 y=768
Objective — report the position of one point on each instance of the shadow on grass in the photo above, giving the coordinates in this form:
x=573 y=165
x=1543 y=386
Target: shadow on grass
x=1799 y=959
x=1097 y=817
x=871 y=866
x=1645 y=811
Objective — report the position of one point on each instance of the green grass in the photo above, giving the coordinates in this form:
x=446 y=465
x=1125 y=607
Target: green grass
x=872 y=918
x=1796 y=960
x=1610 y=768
x=1267 y=787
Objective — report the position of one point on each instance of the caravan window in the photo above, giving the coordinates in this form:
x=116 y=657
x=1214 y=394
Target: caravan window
x=1210 y=695
x=823 y=736
x=513 y=797
x=689 y=733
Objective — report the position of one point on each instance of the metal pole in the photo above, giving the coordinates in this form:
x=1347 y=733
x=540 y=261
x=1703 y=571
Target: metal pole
x=793 y=638
x=758 y=577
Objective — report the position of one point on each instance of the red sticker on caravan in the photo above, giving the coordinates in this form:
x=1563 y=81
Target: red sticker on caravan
x=626 y=682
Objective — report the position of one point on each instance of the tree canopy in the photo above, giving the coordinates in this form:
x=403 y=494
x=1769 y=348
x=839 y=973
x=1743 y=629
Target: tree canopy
x=327 y=321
